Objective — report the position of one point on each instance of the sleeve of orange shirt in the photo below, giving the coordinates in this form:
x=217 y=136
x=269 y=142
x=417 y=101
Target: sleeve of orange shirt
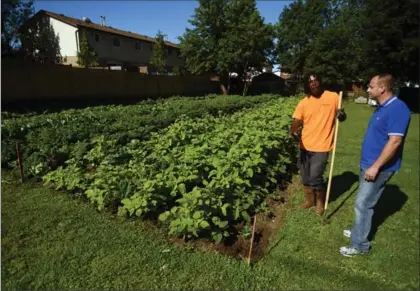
x=298 y=114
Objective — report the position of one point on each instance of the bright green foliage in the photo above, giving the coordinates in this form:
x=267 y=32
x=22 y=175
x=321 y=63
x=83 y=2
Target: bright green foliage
x=298 y=26
x=227 y=36
x=47 y=140
x=391 y=40
x=159 y=54
x=86 y=56
x=348 y=39
x=336 y=49
x=198 y=164
x=14 y=13
x=51 y=242
x=180 y=71
x=40 y=43
x=200 y=175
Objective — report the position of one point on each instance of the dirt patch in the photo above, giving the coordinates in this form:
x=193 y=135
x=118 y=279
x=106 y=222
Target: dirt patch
x=238 y=246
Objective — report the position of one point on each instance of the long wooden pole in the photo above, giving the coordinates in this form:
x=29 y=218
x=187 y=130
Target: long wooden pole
x=252 y=240
x=19 y=162
x=333 y=155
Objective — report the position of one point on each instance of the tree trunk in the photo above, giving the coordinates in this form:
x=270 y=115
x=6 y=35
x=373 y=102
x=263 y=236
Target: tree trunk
x=244 y=79
x=224 y=89
x=245 y=88
x=225 y=84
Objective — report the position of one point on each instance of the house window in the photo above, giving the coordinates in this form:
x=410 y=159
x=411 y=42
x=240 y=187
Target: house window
x=169 y=51
x=96 y=37
x=138 y=46
x=116 y=41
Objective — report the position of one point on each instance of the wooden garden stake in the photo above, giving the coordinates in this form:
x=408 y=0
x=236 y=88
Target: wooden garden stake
x=19 y=161
x=252 y=240
x=333 y=155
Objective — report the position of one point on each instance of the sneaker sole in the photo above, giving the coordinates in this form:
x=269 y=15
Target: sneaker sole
x=350 y=256
x=343 y=253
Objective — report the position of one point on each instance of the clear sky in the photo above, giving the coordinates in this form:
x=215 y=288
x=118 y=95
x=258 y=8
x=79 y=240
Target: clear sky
x=145 y=17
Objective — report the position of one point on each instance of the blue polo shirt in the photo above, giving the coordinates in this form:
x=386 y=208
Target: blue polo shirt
x=390 y=118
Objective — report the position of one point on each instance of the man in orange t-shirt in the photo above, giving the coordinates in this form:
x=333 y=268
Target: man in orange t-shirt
x=317 y=113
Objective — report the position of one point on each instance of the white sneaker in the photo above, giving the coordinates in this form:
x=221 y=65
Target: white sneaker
x=347 y=233
x=351 y=252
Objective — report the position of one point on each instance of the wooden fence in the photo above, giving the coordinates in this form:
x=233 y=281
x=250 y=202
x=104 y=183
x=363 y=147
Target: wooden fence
x=32 y=82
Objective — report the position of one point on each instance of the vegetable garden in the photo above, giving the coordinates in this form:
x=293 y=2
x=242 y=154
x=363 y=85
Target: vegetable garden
x=200 y=165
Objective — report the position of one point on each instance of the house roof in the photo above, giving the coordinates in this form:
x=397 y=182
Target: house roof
x=81 y=23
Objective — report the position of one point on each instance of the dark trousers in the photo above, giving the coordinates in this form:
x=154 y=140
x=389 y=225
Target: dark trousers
x=312 y=167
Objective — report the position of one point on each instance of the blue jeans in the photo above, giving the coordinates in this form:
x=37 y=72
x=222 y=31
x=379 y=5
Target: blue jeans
x=367 y=197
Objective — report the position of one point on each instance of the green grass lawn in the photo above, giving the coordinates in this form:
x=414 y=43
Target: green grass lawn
x=50 y=241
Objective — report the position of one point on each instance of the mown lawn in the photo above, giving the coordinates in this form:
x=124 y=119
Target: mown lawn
x=52 y=242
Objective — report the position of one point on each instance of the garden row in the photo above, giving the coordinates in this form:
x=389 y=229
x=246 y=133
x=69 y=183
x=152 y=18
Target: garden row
x=48 y=140
x=200 y=175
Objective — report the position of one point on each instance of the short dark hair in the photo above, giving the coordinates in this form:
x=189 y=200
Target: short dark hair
x=317 y=76
x=306 y=80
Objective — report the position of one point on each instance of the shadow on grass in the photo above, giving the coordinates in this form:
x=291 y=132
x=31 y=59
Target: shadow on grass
x=391 y=201
x=341 y=184
x=341 y=204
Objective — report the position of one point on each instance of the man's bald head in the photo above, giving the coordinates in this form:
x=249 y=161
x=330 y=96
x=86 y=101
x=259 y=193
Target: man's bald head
x=381 y=87
x=386 y=81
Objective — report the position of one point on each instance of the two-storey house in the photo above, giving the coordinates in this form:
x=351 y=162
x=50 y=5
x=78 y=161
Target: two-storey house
x=114 y=47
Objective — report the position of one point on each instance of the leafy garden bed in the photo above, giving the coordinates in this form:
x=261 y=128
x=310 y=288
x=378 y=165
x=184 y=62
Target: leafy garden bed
x=201 y=169
x=47 y=140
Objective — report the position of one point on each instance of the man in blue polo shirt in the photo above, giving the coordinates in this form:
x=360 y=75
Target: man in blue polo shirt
x=380 y=158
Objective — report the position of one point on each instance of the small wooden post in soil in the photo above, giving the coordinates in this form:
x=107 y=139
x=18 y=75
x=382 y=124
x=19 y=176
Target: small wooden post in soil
x=252 y=240
x=19 y=161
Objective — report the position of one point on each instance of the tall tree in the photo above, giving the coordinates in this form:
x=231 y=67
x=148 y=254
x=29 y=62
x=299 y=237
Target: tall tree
x=347 y=39
x=298 y=27
x=14 y=13
x=159 y=53
x=227 y=36
x=336 y=50
x=40 y=43
x=180 y=71
x=391 y=38
x=86 y=56
x=248 y=42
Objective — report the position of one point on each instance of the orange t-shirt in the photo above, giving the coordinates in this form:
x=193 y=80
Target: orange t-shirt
x=318 y=116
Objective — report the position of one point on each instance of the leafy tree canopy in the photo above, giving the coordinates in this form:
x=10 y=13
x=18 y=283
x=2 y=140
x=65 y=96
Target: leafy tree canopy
x=159 y=54
x=350 y=39
x=227 y=36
